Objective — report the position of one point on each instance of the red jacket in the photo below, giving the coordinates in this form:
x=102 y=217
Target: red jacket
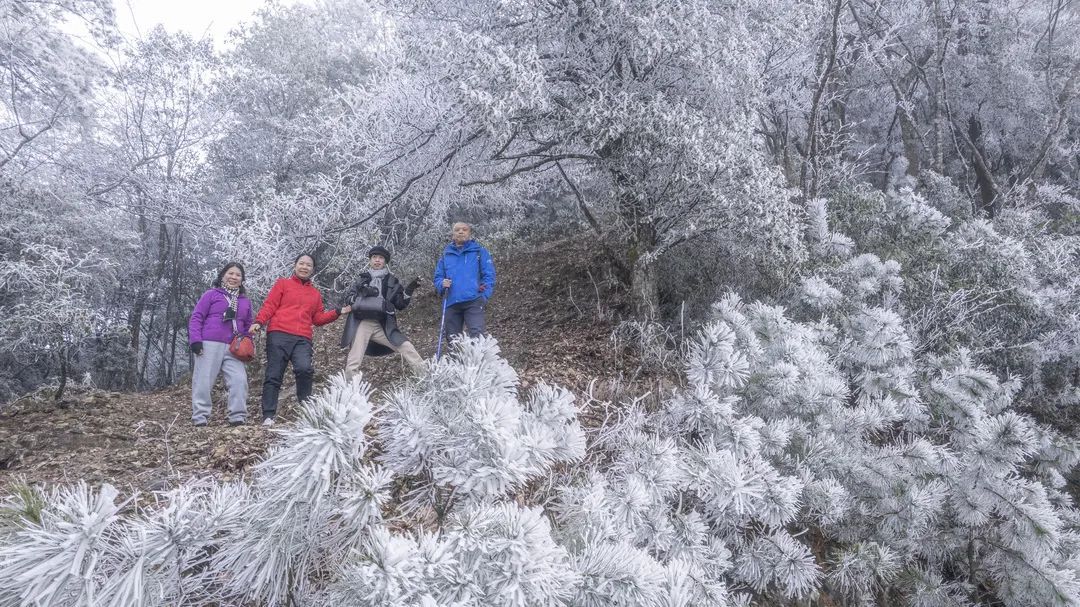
x=293 y=306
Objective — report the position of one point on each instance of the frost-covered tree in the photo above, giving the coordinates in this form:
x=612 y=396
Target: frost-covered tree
x=1000 y=287
x=320 y=522
x=55 y=554
x=51 y=84
x=69 y=281
x=642 y=113
x=277 y=166
x=894 y=92
x=151 y=163
x=821 y=459
x=313 y=500
x=58 y=262
x=49 y=79
x=109 y=183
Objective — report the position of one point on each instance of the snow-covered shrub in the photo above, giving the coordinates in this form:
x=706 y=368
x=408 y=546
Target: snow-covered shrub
x=57 y=557
x=825 y=458
x=652 y=343
x=313 y=498
x=1003 y=287
x=464 y=434
x=489 y=555
x=819 y=461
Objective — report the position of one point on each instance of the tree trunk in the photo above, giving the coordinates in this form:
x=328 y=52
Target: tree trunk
x=63 y=375
x=909 y=134
x=144 y=368
x=984 y=178
x=810 y=178
x=135 y=319
x=938 y=100
x=634 y=213
x=641 y=259
x=173 y=312
x=645 y=289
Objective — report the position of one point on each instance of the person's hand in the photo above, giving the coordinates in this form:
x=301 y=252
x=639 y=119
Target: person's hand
x=369 y=291
x=483 y=287
x=255 y=328
x=409 y=288
x=196 y=348
x=446 y=283
x=345 y=310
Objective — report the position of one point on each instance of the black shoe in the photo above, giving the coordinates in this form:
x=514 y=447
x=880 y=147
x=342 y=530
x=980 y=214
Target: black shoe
x=239 y=423
x=198 y=424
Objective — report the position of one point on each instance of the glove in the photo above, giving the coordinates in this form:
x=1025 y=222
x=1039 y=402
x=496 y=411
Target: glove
x=196 y=348
x=369 y=291
x=409 y=288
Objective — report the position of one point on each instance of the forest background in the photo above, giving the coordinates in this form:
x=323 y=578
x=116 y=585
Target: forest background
x=739 y=152
x=887 y=189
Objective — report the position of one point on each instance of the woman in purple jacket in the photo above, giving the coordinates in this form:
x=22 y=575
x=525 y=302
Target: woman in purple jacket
x=221 y=312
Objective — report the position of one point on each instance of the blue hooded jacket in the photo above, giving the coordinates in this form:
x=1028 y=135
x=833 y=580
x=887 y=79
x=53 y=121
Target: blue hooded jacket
x=467 y=268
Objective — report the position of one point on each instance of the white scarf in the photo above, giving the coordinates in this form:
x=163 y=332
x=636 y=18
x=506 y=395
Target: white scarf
x=377 y=277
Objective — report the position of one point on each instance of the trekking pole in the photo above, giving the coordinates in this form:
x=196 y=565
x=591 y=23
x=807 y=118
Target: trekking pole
x=442 y=323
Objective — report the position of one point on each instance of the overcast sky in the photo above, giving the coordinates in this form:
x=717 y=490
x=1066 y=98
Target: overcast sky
x=197 y=17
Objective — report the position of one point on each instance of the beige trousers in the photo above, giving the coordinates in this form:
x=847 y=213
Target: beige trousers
x=371 y=330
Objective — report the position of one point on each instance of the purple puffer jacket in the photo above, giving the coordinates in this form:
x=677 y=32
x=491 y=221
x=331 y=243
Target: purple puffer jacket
x=206 y=322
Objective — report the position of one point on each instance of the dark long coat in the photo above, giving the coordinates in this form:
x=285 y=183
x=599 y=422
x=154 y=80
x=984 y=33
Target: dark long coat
x=394 y=298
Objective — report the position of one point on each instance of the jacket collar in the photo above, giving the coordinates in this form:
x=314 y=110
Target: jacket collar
x=226 y=293
x=470 y=245
x=303 y=281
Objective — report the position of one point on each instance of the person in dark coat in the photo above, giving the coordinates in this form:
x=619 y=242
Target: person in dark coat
x=371 y=329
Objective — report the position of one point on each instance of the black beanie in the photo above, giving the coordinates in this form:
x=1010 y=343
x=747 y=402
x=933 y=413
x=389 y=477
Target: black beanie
x=377 y=250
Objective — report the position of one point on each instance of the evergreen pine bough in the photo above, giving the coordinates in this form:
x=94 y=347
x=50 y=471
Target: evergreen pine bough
x=798 y=461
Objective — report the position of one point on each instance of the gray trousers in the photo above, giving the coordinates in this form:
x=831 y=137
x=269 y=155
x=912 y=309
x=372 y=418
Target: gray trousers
x=466 y=313
x=215 y=358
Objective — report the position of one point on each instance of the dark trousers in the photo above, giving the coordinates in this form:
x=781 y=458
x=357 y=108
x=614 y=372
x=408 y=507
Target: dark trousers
x=281 y=348
x=469 y=313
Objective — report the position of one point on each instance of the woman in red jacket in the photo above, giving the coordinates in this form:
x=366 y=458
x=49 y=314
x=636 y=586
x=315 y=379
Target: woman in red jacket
x=291 y=310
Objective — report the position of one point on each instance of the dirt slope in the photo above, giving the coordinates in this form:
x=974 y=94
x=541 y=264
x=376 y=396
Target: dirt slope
x=553 y=313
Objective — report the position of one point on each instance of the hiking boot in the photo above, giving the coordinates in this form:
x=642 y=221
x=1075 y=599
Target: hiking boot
x=236 y=423
x=199 y=424
x=269 y=421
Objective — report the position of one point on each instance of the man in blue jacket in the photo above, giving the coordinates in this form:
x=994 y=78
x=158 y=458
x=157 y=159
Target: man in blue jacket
x=465 y=275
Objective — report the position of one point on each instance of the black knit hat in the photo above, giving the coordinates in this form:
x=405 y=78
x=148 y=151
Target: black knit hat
x=378 y=250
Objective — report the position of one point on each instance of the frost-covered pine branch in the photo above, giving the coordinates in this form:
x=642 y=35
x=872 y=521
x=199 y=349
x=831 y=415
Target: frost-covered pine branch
x=800 y=460
x=313 y=499
x=464 y=431
x=57 y=557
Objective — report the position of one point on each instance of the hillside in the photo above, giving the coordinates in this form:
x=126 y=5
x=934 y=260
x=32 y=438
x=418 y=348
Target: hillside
x=553 y=314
